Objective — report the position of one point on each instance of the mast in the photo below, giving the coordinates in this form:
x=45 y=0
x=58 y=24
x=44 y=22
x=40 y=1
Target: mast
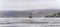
x=30 y=15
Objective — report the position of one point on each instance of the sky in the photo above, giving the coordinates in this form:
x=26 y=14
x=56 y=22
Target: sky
x=29 y=4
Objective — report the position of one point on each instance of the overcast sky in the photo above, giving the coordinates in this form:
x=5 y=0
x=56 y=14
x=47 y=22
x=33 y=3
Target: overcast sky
x=28 y=4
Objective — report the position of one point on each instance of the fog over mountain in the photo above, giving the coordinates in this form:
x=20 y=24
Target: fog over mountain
x=35 y=13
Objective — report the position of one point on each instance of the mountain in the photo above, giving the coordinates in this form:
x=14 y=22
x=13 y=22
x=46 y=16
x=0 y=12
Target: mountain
x=14 y=13
x=35 y=13
x=45 y=12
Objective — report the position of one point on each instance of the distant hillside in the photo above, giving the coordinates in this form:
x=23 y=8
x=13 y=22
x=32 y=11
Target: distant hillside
x=45 y=12
x=35 y=13
x=14 y=13
x=54 y=15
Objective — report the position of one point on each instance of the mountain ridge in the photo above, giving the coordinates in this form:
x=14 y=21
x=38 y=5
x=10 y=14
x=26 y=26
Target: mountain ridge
x=27 y=13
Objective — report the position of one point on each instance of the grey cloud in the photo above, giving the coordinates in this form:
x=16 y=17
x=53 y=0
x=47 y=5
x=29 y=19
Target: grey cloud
x=26 y=4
